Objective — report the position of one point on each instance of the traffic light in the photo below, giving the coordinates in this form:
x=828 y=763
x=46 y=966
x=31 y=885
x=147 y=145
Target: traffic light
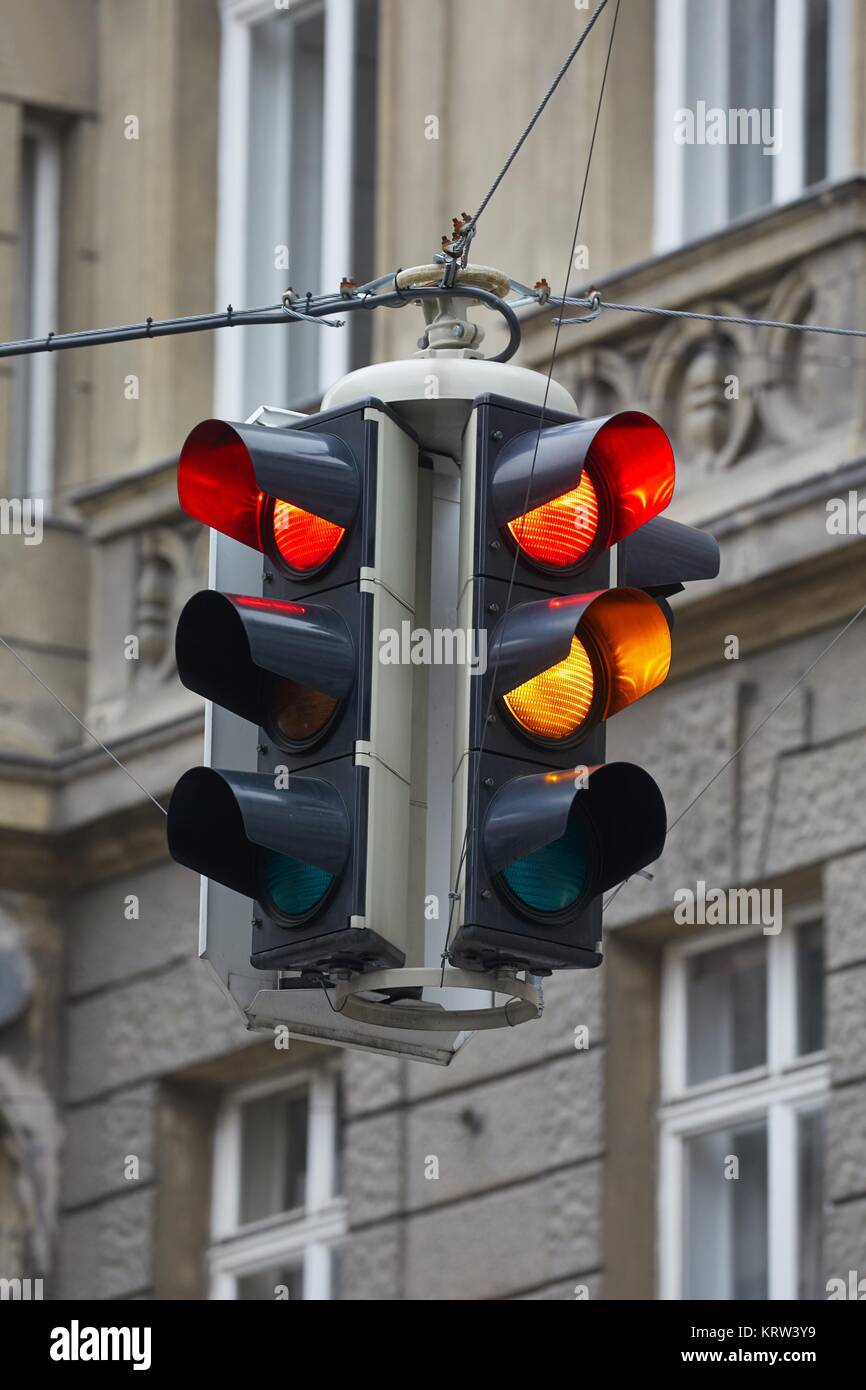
x=317 y=837
x=576 y=631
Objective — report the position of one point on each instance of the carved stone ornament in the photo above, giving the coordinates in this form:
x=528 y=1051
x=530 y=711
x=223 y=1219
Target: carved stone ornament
x=602 y=382
x=697 y=382
x=171 y=568
x=812 y=381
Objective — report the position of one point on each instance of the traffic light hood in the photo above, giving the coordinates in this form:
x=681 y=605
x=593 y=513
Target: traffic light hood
x=305 y=821
x=624 y=632
x=226 y=644
x=627 y=456
x=227 y=472
x=664 y=555
x=619 y=803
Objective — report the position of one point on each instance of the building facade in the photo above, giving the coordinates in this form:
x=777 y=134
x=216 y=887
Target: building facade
x=689 y=1121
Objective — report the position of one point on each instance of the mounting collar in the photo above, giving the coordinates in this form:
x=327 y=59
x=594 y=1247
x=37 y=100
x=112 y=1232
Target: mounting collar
x=524 y=999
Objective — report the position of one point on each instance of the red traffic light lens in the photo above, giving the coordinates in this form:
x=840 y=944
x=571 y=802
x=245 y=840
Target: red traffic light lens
x=554 y=704
x=305 y=541
x=560 y=532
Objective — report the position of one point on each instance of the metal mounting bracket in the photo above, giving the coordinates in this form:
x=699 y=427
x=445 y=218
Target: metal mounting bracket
x=524 y=999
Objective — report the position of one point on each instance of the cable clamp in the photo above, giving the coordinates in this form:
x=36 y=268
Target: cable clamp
x=592 y=302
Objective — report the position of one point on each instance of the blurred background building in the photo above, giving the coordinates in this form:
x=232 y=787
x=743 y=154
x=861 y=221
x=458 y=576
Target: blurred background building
x=166 y=157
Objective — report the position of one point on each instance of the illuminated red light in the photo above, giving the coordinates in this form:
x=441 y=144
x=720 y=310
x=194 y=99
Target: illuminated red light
x=560 y=532
x=305 y=541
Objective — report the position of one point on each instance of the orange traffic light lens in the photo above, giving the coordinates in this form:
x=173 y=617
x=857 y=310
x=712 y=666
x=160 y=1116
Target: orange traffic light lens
x=554 y=704
x=560 y=532
x=300 y=714
x=304 y=540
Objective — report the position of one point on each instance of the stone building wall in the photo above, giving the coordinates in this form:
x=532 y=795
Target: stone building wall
x=115 y=1041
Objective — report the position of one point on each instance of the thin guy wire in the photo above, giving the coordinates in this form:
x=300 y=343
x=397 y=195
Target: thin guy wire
x=453 y=896
x=534 y=118
x=730 y=318
x=747 y=740
x=82 y=724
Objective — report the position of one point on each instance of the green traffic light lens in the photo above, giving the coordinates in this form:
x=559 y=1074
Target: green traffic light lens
x=294 y=887
x=552 y=878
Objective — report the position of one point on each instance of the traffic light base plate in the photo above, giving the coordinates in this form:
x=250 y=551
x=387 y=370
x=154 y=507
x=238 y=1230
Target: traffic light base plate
x=524 y=999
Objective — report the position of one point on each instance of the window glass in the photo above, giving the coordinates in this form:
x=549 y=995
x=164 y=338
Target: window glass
x=816 y=114
x=338 y=1136
x=284 y=200
x=273 y=1155
x=751 y=34
x=810 y=988
x=336 y=1254
x=24 y=328
x=726 y=1213
x=364 y=164
x=726 y=1010
x=810 y=1203
x=733 y=84
x=706 y=87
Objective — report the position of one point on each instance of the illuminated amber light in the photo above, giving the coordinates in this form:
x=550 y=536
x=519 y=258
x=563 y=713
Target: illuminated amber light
x=556 y=702
x=560 y=532
x=304 y=540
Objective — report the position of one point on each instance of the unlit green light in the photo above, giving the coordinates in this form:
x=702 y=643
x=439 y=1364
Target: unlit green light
x=551 y=878
x=294 y=887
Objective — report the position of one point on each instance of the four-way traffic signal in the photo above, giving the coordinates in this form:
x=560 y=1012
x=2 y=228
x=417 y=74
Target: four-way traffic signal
x=541 y=827
x=308 y=835
x=565 y=568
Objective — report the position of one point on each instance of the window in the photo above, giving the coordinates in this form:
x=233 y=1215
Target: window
x=278 y=1215
x=296 y=171
x=31 y=446
x=741 y=1119
x=765 y=84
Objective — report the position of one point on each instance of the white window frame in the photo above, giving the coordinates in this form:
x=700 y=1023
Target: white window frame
x=35 y=443
x=305 y=1236
x=237 y=17
x=788 y=166
x=781 y=1090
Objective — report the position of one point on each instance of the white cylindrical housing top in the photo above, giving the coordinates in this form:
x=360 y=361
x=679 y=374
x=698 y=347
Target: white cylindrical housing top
x=433 y=395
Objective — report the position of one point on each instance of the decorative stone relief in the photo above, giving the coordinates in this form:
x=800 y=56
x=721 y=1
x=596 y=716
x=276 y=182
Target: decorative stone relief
x=172 y=565
x=810 y=380
x=602 y=382
x=696 y=382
